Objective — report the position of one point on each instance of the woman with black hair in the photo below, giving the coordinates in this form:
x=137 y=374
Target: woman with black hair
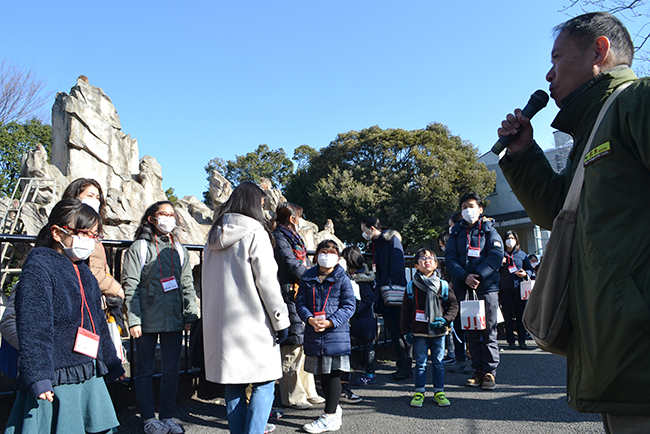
x=515 y=268
x=65 y=346
x=161 y=302
x=244 y=315
x=297 y=387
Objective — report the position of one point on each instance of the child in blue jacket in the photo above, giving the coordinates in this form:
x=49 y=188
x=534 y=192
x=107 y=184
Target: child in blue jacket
x=325 y=302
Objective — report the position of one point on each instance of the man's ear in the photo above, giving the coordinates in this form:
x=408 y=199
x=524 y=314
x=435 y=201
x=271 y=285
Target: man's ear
x=602 y=53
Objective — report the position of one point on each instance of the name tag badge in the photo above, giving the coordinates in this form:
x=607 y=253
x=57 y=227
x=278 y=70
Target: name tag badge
x=420 y=316
x=513 y=269
x=474 y=252
x=169 y=284
x=320 y=315
x=87 y=343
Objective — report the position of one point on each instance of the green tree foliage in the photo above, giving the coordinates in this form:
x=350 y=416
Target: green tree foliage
x=261 y=163
x=171 y=196
x=15 y=140
x=411 y=180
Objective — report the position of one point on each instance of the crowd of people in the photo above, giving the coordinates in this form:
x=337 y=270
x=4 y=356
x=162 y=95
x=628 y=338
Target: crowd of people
x=292 y=319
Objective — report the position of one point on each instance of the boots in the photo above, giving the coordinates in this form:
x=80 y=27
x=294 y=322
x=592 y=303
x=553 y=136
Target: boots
x=404 y=369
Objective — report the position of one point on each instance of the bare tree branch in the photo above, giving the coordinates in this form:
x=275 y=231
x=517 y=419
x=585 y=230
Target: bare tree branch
x=22 y=94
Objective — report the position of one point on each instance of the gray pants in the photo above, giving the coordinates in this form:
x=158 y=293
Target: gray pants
x=615 y=424
x=483 y=345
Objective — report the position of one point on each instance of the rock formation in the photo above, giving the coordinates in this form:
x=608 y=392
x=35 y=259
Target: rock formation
x=88 y=143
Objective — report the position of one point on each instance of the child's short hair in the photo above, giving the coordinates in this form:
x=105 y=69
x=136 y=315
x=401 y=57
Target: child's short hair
x=353 y=257
x=469 y=196
x=423 y=251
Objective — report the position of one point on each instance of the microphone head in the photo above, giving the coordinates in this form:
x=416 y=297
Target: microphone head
x=539 y=99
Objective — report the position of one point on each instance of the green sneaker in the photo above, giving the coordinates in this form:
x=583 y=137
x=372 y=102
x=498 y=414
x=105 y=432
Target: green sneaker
x=418 y=400
x=441 y=399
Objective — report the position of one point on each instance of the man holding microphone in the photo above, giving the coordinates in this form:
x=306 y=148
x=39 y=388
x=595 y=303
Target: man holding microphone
x=609 y=290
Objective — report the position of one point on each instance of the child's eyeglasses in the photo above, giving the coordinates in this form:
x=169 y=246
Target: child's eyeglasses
x=85 y=232
x=426 y=258
x=164 y=214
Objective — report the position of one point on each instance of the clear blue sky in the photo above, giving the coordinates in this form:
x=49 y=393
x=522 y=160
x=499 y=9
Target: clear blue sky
x=196 y=80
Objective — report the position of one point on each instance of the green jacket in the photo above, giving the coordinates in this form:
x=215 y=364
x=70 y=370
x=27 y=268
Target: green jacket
x=609 y=350
x=147 y=304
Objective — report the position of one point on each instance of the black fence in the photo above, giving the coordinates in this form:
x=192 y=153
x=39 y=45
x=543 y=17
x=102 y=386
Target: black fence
x=114 y=251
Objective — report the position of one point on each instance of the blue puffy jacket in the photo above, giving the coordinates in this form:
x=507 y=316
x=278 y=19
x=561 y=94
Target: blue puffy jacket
x=334 y=341
x=459 y=264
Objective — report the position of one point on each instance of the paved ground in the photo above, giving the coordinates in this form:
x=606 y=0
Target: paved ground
x=529 y=398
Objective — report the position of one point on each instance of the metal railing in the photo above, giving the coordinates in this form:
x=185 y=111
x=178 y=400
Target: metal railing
x=114 y=252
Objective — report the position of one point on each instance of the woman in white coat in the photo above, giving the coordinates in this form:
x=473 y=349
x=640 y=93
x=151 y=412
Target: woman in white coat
x=244 y=315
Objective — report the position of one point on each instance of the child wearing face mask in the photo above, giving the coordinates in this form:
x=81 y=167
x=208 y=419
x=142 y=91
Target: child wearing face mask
x=325 y=302
x=65 y=347
x=161 y=302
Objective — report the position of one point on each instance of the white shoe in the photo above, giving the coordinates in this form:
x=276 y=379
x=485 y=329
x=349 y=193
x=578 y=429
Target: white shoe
x=155 y=426
x=327 y=422
x=174 y=427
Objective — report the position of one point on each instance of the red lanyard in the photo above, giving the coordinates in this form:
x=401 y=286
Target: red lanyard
x=158 y=253
x=469 y=242
x=313 y=292
x=83 y=301
x=511 y=259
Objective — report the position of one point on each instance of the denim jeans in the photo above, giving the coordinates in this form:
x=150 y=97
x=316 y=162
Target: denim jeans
x=251 y=418
x=170 y=346
x=421 y=347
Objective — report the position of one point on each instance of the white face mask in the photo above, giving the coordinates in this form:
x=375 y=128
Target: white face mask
x=366 y=236
x=533 y=264
x=300 y=225
x=166 y=224
x=82 y=248
x=510 y=243
x=93 y=203
x=470 y=215
x=443 y=248
x=328 y=260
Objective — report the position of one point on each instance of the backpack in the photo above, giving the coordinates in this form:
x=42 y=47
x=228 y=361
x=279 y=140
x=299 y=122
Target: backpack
x=444 y=289
x=143 y=252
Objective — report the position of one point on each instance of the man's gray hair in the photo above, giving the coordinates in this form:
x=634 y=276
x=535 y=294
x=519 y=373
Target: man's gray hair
x=585 y=29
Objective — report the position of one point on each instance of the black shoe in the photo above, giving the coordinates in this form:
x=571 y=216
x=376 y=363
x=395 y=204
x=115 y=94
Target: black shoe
x=512 y=346
x=403 y=373
x=523 y=346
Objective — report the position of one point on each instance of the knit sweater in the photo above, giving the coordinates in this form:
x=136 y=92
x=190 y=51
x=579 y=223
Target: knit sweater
x=48 y=315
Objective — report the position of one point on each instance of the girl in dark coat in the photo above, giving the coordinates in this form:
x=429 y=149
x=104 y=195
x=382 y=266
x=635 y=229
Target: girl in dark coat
x=516 y=267
x=297 y=387
x=65 y=346
x=326 y=302
x=363 y=325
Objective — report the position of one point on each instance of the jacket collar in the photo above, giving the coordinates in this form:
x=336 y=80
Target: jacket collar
x=581 y=107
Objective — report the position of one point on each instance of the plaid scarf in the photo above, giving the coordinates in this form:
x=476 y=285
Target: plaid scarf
x=297 y=244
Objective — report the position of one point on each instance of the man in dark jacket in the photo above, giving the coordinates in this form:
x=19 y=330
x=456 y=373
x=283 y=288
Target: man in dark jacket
x=609 y=288
x=473 y=257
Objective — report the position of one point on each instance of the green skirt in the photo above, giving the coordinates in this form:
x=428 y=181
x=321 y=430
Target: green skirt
x=80 y=408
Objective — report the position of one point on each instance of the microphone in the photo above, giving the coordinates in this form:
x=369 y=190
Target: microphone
x=537 y=101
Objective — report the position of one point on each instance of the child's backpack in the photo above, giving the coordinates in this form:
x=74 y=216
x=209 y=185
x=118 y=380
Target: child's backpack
x=444 y=289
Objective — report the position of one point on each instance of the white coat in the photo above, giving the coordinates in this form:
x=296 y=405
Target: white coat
x=242 y=304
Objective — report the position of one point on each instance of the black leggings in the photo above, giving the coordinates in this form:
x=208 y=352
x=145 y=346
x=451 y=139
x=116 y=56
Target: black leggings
x=331 y=384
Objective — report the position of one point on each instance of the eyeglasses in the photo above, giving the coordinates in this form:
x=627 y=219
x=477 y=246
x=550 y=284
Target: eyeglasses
x=426 y=258
x=84 y=232
x=164 y=214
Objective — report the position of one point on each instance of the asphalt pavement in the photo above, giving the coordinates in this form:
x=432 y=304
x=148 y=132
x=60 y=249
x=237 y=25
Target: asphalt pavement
x=530 y=397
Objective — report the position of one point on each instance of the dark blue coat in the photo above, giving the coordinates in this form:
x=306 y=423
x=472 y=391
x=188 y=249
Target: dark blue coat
x=363 y=324
x=388 y=257
x=48 y=314
x=334 y=341
x=459 y=264
x=290 y=270
x=509 y=280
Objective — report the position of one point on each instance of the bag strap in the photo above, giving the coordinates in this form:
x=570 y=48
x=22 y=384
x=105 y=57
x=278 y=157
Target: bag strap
x=144 y=251
x=409 y=289
x=571 y=201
